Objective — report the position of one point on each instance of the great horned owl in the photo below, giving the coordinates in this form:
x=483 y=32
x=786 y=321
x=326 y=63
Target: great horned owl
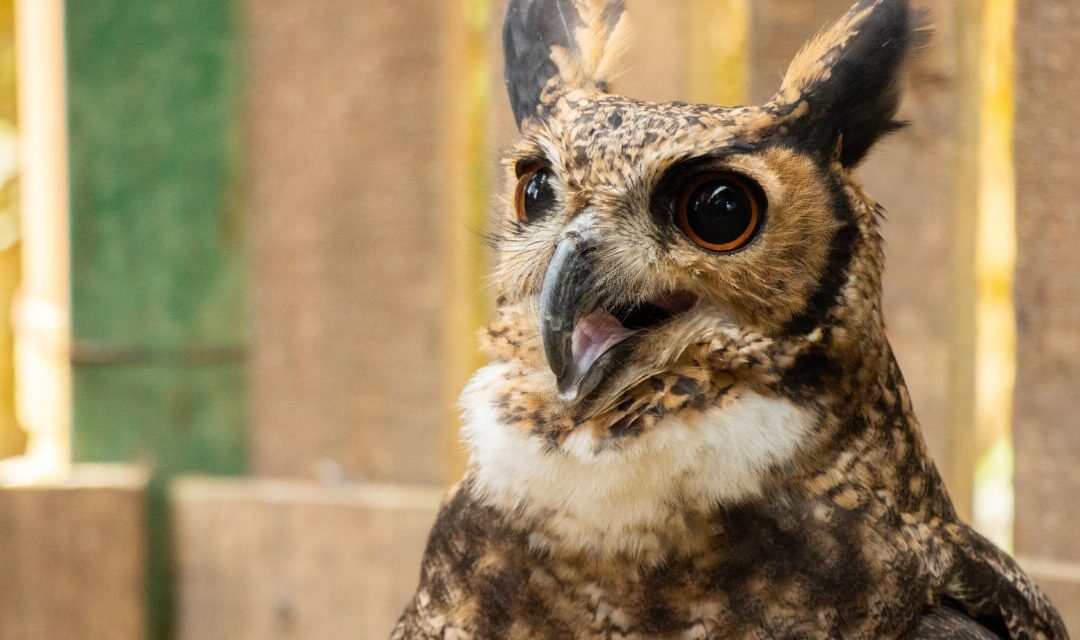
x=694 y=426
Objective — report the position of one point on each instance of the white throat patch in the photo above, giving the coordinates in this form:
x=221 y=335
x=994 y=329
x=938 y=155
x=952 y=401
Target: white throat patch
x=624 y=500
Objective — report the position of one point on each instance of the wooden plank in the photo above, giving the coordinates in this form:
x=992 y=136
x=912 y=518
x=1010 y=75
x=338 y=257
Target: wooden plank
x=157 y=259
x=1047 y=414
x=264 y=559
x=346 y=196
x=957 y=448
x=73 y=557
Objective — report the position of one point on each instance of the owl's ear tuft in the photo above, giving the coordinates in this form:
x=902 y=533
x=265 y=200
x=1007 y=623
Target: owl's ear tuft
x=553 y=43
x=844 y=87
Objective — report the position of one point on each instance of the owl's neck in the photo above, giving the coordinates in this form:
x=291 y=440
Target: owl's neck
x=833 y=421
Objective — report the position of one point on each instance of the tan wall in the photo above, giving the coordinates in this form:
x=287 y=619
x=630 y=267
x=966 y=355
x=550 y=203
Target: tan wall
x=344 y=127
x=1047 y=431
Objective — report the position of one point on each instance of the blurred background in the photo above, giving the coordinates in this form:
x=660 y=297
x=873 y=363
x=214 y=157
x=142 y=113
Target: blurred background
x=241 y=271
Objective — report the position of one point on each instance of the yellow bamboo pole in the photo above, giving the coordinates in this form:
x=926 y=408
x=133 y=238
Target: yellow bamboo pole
x=12 y=438
x=995 y=266
x=984 y=255
x=960 y=449
x=466 y=185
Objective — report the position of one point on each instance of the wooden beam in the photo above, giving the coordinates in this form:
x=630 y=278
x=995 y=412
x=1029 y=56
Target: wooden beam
x=345 y=192
x=73 y=557
x=263 y=559
x=1047 y=408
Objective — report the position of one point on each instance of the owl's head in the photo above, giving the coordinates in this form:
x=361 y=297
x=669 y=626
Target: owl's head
x=640 y=238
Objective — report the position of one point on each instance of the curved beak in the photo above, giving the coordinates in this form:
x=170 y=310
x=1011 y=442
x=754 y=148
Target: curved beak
x=570 y=294
x=585 y=339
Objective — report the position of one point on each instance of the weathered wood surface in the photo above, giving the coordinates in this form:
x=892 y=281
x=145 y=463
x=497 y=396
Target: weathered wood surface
x=1047 y=431
x=72 y=558
x=344 y=127
x=261 y=559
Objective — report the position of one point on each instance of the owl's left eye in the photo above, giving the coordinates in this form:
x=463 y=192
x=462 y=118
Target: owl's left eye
x=535 y=196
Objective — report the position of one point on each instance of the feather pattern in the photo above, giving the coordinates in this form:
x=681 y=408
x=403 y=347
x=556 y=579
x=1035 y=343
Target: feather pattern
x=567 y=43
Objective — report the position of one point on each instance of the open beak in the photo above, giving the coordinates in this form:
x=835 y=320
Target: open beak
x=579 y=332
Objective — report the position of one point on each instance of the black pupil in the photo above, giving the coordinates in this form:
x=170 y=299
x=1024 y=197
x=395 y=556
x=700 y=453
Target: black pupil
x=539 y=195
x=719 y=212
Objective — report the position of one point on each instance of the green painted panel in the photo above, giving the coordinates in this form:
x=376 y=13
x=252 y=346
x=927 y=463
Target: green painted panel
x=153 y=90
x=158 y=296
x=185 y=418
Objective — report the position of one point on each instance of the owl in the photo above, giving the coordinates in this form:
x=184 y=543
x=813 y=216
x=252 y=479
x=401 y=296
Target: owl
x=693 y=425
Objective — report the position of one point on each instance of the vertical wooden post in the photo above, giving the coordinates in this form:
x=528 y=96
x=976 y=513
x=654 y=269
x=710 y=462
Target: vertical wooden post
x=345 y=120
x=1047 y=413
x=978 y=467
x=959 y=462
x=41 y=313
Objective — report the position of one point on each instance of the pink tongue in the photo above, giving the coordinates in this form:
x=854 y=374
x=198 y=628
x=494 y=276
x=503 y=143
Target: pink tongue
x=593 y=336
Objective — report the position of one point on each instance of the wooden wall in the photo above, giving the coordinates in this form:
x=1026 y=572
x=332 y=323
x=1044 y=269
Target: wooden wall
x=1048 y=298
x=346 y=200
x=262 y=559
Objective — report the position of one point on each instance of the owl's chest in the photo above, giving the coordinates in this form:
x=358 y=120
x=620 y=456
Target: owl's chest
x=680 y=535
x=758 y=576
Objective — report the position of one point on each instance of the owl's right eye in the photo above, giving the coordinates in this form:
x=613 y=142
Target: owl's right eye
x=535 y=196
x=719 y=211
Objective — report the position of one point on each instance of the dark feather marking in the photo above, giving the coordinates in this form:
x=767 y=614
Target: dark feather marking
x=860 y=96
x=531 y=29
x=946 y=623
x=832 y=280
